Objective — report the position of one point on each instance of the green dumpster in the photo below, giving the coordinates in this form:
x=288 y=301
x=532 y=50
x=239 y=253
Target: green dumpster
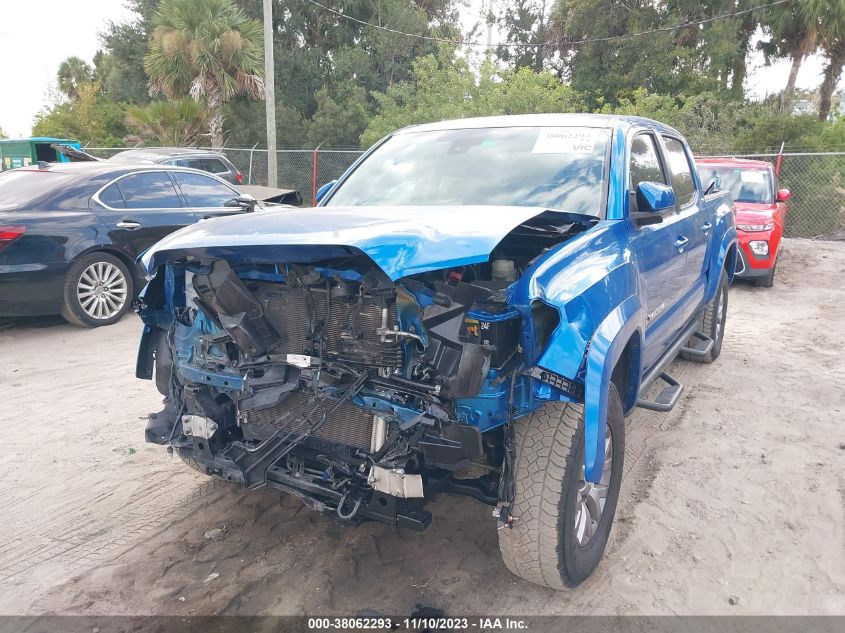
x=28 y=151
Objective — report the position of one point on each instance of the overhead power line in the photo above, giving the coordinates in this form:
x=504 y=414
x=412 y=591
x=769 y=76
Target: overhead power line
x=559 y=42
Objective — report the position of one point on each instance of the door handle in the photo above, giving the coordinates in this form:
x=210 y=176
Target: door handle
x=129 y=224
x=681 y=243
x=706 y=227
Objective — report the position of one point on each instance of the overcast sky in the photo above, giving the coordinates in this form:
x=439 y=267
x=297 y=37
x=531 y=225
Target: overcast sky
x=36 y=35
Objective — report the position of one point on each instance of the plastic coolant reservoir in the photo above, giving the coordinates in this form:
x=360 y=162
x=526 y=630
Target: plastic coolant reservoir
x=504 y=270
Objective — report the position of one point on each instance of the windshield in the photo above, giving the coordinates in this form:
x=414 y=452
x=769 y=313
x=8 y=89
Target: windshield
x=18 y=186
x=746 y=185
x=559 y=168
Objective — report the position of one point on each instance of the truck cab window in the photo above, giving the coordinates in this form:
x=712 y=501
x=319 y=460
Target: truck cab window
x=681 y=170
x=645 y=165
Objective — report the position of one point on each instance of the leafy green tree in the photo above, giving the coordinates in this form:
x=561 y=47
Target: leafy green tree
x=73 y=73
x=168 y=123
x=2 y=134
x=120 y=65
x=248 y=124
x=443 y=87
x=440 y=88
x=608 y=71
x=709 y=121
x=340 y=54
x=206 y=48
x=524 y=22
x=91 y=118
x=685 y=61
x=339 y=123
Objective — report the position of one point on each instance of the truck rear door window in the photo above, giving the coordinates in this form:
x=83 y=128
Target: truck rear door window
x=682 y=179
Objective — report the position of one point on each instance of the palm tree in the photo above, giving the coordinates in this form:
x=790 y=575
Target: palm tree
x=832 y=36
x=206 y=48
x=73 y=73
x=795 y=35
x=168 y=123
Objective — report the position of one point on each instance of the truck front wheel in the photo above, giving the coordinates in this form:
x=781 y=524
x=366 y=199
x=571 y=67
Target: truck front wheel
x=561 y=521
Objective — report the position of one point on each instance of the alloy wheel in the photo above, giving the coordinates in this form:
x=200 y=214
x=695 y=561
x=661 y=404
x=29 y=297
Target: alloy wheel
x=101 y=290
x=591 y=497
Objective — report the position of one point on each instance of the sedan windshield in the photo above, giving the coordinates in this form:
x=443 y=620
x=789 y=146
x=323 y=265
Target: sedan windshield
x=745 y=185
x=559 y=168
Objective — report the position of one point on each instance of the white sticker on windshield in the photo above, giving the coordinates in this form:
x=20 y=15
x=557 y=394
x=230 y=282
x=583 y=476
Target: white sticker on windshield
x=565 y=140
x=756 y=177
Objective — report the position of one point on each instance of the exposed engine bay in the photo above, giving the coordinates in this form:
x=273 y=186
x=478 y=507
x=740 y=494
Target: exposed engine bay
x=358 y=394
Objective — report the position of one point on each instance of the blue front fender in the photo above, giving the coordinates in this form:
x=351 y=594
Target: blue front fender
x=606 y=347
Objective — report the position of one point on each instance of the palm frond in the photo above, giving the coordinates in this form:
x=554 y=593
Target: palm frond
x=197 y=42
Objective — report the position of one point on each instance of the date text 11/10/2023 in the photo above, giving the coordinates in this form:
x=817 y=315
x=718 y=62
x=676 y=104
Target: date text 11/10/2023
x=417 y=623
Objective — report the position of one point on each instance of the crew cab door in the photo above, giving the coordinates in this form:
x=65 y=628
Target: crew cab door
x=695 y=223
x=660 y=260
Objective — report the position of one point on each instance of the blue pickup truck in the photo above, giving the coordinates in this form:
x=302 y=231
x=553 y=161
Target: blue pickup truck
x=473 y=308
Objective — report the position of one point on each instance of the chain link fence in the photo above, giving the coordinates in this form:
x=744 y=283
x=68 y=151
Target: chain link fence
x=296 y=169
x=816 y=180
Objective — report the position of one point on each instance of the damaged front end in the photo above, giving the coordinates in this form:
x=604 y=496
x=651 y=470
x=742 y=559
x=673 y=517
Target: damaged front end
x=359 y=392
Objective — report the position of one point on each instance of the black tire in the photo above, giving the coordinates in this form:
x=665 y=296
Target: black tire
x=542 y=546
x=121 y=286
x=768 y=280
x=712 y=323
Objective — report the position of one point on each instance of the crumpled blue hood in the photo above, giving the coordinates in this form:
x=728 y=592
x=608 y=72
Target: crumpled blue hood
x=400 y=240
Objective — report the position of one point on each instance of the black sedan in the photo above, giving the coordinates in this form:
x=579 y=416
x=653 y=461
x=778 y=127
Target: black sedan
x=70 y=232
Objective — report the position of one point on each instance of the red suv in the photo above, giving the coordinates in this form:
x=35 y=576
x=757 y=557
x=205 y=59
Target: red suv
x=760 y=212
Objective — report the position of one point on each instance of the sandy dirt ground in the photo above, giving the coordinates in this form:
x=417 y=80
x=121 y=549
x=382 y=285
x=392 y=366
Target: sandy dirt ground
x=731 y=504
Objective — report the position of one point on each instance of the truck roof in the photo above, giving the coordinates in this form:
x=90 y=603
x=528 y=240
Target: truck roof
x=606 y=121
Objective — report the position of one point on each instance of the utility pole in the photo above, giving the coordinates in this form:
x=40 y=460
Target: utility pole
x=270 y=94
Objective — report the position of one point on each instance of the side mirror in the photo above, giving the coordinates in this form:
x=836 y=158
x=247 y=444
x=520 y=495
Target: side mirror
x=784 y=195
x=244 y=201
x=653 y=198
x=322 y=191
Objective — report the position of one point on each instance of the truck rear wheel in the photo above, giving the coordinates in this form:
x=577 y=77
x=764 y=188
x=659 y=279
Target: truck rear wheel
x=561 y=521
x=713 y=322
